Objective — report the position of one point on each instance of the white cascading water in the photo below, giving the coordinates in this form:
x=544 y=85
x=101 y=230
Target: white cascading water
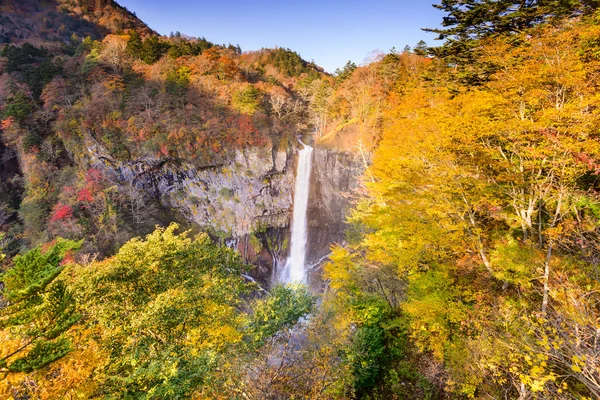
x=295 y=268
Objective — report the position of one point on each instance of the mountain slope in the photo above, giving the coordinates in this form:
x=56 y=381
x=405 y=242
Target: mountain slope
x=74 y=107
x=38 y=21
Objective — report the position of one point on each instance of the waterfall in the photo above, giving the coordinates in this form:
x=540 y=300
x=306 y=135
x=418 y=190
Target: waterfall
x=295 y=267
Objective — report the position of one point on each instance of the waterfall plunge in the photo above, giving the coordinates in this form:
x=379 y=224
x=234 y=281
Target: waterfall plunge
x=294 y=270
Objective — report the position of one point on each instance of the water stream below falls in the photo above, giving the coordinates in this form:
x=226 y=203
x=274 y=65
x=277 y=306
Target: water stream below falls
x=295 y=266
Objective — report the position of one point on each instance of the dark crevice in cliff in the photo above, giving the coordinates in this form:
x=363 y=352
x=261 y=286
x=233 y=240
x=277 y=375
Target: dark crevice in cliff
x=11 y=196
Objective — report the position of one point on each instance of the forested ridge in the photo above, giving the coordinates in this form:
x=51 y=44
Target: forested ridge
x=471 y=262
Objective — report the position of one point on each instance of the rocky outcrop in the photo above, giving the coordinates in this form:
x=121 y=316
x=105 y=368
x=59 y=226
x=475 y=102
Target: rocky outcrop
x=247 y=200
x=248 y=193
x=334 y=178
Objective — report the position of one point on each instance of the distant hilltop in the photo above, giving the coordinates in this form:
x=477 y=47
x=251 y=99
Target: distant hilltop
x=37 y=20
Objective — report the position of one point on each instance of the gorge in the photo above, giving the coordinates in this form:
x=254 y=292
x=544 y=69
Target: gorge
x=254 y=195
x=183 y=219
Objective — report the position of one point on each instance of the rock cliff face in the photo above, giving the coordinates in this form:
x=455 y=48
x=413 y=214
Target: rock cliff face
x=335 y=177
x=238 y=197
x=247 y=201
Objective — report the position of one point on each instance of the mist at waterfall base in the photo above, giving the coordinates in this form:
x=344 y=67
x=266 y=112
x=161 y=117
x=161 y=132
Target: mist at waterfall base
x=294 y=270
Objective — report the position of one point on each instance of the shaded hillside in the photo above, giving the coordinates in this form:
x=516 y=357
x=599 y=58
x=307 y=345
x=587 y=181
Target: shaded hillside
x=37 y=21
x=138 y=98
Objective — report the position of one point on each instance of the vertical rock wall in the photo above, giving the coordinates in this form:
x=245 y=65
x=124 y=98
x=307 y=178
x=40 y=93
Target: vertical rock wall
x=247 y=201
x=335 y=177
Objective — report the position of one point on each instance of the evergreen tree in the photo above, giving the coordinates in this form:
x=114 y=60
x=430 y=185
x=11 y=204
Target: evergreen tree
x=346 y=72
x=288 y=62
x=39 y=309
x=135 y=45
x=468 y=21
x=153 y=49
x=472 y=19
x=421 y=49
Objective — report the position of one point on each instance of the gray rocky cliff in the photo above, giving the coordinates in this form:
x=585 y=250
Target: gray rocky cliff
x=334 y=178
x=247 y=200
x=251 y=191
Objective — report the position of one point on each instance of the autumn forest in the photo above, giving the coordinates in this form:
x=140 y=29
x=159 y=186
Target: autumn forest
x=149 y=210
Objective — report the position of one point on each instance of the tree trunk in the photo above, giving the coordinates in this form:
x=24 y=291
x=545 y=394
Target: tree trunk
x=546 y=278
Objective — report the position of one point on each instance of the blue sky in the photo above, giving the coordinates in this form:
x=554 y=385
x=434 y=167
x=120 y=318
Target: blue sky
x=330 y=32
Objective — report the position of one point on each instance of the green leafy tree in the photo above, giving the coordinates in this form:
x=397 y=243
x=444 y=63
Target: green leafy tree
x=473 y=19
x=248 y=100
x=177 y=81
x=281 y=309
x=366 y=355
x=149 y=50
x=169 y=312
x=19 y=57
x=35 y=64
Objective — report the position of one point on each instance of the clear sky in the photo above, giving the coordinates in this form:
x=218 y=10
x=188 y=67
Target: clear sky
x=330 y=32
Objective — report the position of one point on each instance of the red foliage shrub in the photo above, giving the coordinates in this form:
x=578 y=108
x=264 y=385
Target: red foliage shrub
x=68 y=258
x=94 y=175
x=7 y=123
x=62 y=211
x=85 y=194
